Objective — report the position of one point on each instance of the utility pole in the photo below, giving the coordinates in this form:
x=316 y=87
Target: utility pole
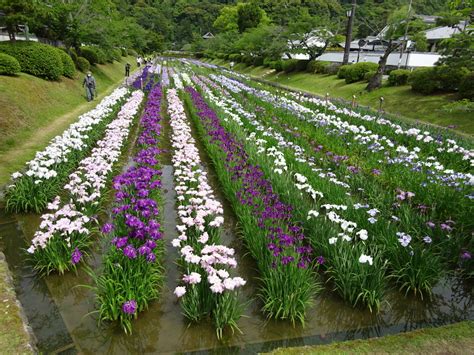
x=402 y=47
x=350 y=14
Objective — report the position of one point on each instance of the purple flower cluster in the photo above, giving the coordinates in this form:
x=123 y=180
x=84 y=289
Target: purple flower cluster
x=142 y=78
x=135 y=212
x=286 y=240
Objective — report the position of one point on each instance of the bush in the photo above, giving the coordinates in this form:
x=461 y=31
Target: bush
x=8 y=65
x=83 y=64
x=258 y=61
x=35 y=58
x=423 y=80
x=356 y=72
x=123 y=52
x=72 y=53
x=341 y=73
x=102 y=56
x=466 y=87
x=289 y=65
x=398 y=77
x=369 y=75
x=317 y=67
x=278 y=65
x=332 y=69
x=132 y=52
x=450 y=77
x=116 y=54
x=69 y=69
x=90 y=55
x=235 y=57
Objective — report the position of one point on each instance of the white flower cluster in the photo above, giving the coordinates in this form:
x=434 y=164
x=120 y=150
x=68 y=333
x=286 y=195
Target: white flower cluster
x=45 y=163
x=199 y=211
x=88 y=180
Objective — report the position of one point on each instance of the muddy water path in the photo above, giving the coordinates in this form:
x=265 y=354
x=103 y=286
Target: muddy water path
x=61 y=312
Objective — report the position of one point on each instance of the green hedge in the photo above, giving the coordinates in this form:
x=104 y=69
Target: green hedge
x=123 y=52
x=90 y=54
x=423 y=80
x=444 y=78
x=356 y=72
x=466 y=86
x=235 y=57
x=8 y=65
x=317 y=67
x=83 y=64
x=449 y=78
x=35 y=58
x=398 y=77
x=294 y=65
x=69 y=69
x=369 y=75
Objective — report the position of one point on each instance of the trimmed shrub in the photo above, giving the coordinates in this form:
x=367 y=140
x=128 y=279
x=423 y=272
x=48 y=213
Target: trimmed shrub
x=398 y=77
x=466 y=86
x=369 y=75
x=90 y=55
x=235 y=57
x=132 y=52
x=332 y=68
x=356 y=72
x=278 y=65
x=72 y=53
x=267 y=62
x=35 y=58
x=8 y=65
x=289 y=65
x=83 y=64
x=449 y=78
x=341 y=73
x=123 y=52
x=116 y=54
x=258 y=61
x=69 y=69
x=101 y=55
x=423 y=80
x=317 y=67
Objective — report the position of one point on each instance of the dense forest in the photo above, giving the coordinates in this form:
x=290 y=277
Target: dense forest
x=153 y=25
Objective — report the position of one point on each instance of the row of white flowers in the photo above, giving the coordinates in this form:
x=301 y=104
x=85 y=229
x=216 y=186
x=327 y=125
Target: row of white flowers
x=43 y=166
x=199 y=211
x=87 y=182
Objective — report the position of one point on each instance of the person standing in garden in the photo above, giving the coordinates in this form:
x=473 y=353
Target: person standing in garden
x=89 y=84
x=127 y=69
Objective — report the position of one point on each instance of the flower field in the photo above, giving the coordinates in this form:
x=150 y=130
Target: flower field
x=328 y=202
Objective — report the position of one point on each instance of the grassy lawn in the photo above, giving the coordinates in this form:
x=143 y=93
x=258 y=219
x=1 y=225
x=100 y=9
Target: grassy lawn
x=451 y=339
x=35 y=110
x=13 y=337
x=399 y=100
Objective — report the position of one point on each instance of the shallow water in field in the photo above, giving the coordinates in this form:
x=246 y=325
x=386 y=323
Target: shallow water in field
x=61 y=312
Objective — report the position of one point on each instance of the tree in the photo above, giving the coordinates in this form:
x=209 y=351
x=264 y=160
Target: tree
x=312 y=35
x=249 y=15
x=17 y=12
x=400 y=21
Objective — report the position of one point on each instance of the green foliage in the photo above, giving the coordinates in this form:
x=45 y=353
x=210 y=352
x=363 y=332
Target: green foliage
x=458 y=51
x=123 y=52
x=423 y=80
x=249 y=15
x=35 y=58
x=317 y=67
x=294 y=65
x=421 y=43
x=8 y=65
x=90 y=54
x=449 y=77
x=466 y=87
x=102 y=56
x=83 y=64
x=69 y=69
x=356 y=72
x=369 y=75
x=398 y=77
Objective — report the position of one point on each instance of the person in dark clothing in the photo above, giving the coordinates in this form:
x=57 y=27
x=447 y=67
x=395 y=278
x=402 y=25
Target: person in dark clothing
x=127 y=69
x=89 y=84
